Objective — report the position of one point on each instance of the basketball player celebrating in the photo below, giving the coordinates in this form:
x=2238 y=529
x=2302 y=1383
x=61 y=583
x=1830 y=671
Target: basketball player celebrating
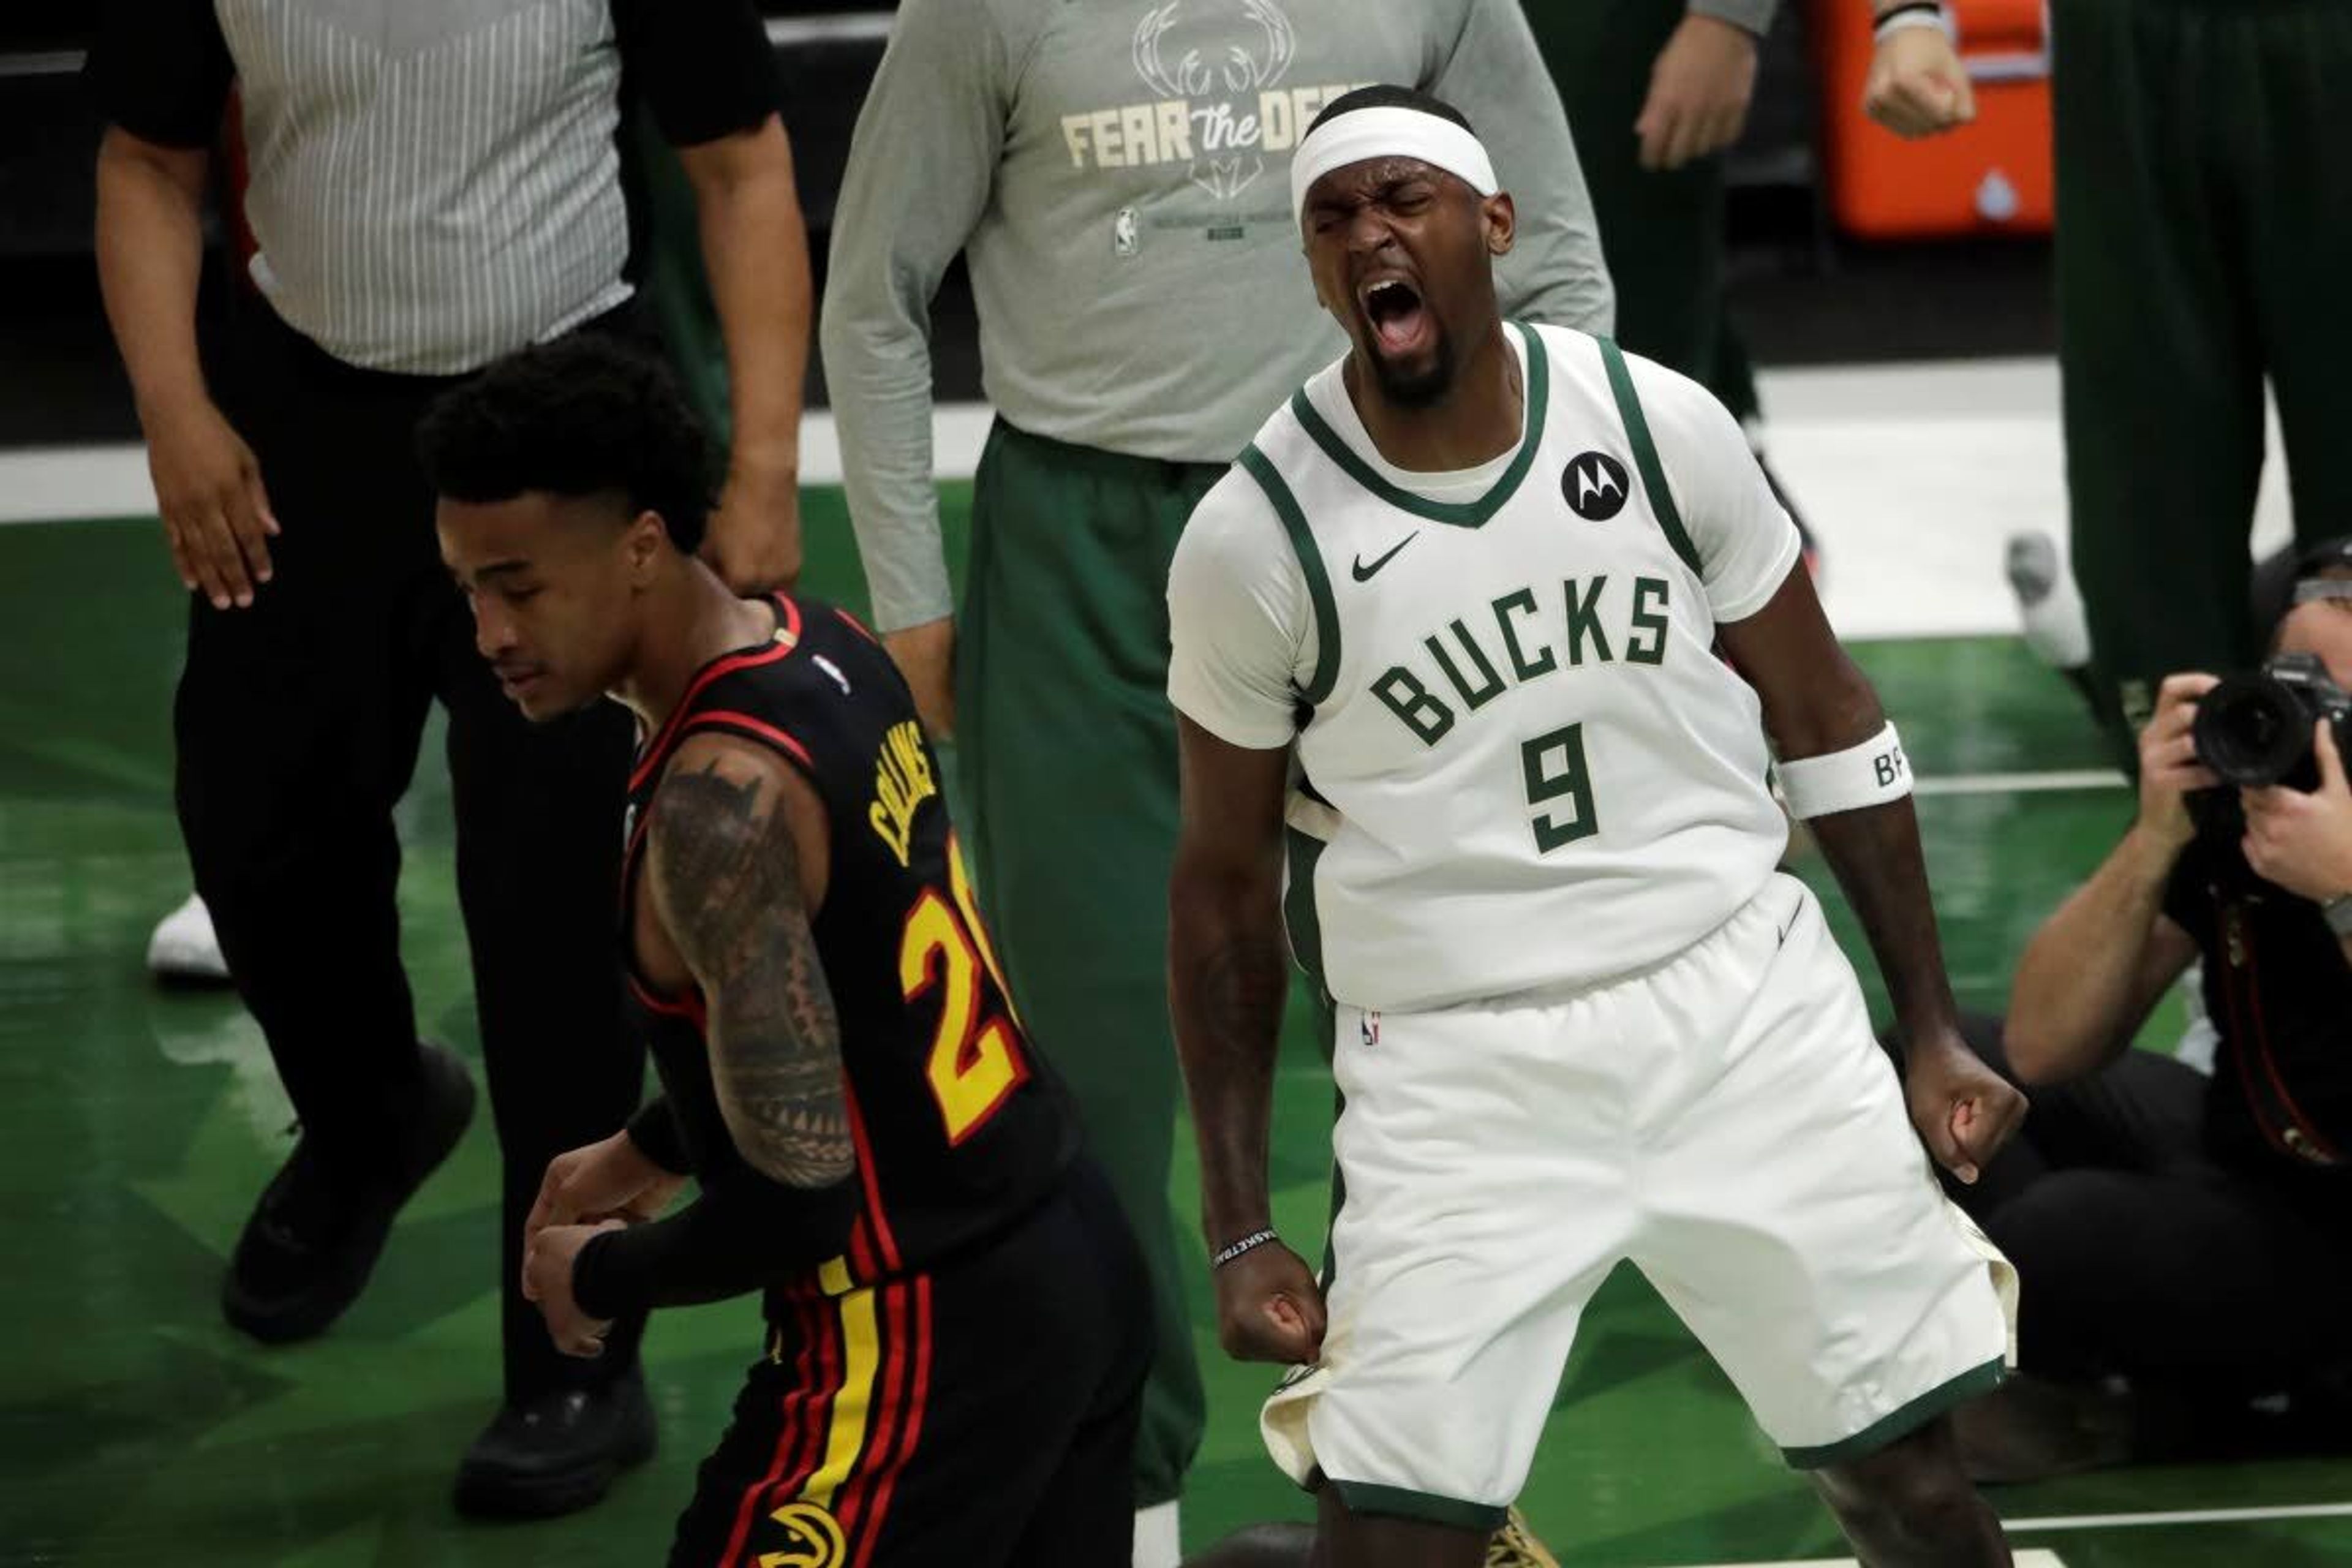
x=1471 y=583
x=958 y=1321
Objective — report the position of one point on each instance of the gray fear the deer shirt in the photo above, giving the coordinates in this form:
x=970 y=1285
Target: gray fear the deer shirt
x=1117 y=175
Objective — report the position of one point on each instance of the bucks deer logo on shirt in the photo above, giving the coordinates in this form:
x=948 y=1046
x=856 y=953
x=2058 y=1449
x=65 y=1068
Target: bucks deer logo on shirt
x=1219 y=106
x=1193 y=57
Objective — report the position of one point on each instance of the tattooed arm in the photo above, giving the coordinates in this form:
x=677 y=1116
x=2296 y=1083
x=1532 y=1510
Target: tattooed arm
x=726 y=873
x=738 y=858
x=1228 y=977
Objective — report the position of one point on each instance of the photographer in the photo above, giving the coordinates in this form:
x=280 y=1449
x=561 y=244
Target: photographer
x=2192 y=1237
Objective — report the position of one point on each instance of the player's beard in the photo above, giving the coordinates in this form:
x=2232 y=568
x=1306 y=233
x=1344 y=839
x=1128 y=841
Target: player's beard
x=1421 y=386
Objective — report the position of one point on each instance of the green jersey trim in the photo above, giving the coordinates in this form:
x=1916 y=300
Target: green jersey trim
x=1301 y=921
x=1310 y=562
x=1645 y=457
x=1902 y=1422
x=1456 y=514
x=1402 y=1502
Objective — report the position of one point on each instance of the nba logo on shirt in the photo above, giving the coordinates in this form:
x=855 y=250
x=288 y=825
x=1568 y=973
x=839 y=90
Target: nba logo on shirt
x=1370 y=1026
x=1126 y=233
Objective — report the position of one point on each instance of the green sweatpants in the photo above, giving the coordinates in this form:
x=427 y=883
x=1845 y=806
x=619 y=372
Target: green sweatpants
x=2204 y=243
x=672 y=281
x=1068 y=755
x=1661 y=233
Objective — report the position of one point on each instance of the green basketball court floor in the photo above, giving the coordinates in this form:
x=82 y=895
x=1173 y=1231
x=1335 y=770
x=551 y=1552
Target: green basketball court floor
x=135 y=1428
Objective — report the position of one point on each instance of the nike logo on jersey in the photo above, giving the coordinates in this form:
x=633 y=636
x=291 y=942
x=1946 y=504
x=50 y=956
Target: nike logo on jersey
x=1364 y=573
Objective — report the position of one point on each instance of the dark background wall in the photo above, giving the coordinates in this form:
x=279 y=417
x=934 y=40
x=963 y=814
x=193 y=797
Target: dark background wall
x=1804 y=294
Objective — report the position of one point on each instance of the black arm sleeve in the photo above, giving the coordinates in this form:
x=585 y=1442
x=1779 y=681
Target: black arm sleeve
x=655 y=1132
x=161 y=70
x=2187 y=894
x=702 y=67
x=721 y=1245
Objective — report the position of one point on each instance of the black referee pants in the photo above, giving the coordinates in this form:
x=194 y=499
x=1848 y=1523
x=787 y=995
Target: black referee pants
x=299 y=722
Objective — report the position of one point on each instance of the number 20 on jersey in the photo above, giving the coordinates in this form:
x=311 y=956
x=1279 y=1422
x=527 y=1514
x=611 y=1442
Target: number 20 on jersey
x=975 y=1061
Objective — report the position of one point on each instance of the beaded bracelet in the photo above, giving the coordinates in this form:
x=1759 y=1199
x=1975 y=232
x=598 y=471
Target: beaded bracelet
x=1249 y=1243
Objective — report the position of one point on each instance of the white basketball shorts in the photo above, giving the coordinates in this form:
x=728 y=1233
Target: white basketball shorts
x=1727 y=1123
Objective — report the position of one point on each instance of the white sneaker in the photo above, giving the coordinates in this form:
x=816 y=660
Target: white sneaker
x=2049 y=606
x=183 y=947
x=1158 y=1538
x=2200 y=1040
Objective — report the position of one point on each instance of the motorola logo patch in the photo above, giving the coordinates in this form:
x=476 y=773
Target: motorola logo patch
x=1594 y=485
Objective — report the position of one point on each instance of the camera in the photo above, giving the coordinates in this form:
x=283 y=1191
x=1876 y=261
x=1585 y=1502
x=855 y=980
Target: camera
x=2254 y=729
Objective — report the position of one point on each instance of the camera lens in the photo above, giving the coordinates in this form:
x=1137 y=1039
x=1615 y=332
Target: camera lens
x=2252 y=729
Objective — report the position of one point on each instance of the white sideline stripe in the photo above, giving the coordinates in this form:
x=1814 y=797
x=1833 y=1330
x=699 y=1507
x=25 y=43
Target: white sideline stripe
x=53 y=62
x=1912 y=476
x=959 y=431
x=840 y=26
x=74 y=484
x=69 y=484
x=2190 y=1516
x=2020 y=783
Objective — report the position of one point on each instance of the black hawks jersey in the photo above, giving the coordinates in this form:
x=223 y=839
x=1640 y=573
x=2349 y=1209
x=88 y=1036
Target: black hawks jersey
x=961 y=1129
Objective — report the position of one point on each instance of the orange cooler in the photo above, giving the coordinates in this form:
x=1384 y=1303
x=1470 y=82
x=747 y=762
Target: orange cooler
x=1992 y=176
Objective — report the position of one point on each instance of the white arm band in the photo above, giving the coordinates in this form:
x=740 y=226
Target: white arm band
x=1872 y=773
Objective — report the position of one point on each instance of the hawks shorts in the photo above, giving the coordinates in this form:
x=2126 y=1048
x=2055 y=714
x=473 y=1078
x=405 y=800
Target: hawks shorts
x=1727 y=1123
x=980 y=1414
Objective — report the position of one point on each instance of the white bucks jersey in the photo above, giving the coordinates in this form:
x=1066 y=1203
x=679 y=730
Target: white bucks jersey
x=1525 y=766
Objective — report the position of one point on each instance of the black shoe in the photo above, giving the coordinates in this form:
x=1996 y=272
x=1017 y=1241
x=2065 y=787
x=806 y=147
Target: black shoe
x=316 y=1233
x=558 y=1453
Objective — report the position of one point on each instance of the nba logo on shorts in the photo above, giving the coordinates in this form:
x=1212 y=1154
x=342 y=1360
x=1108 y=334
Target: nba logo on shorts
x=1370 y=1026
x=1126 y=233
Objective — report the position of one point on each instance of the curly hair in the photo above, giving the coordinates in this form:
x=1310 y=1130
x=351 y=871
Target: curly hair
x=587 y=414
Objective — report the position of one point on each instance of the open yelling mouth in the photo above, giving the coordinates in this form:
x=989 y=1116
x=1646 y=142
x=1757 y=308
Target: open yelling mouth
x=1392 y=307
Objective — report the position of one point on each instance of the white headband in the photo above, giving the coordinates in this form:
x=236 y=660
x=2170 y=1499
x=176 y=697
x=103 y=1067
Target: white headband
x=1390 y=130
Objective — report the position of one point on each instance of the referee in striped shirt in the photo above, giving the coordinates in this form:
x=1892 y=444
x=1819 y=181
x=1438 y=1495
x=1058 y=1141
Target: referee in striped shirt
x=432 y=183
